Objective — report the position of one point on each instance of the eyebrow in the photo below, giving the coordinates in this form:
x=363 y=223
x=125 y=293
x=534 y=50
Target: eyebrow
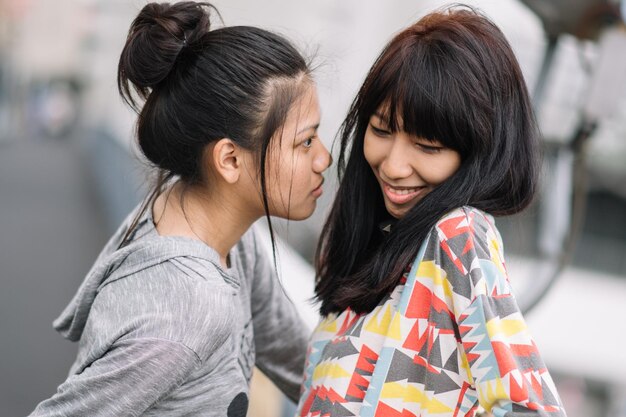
x=383 y=118
x=314 y=127
x=386 y=123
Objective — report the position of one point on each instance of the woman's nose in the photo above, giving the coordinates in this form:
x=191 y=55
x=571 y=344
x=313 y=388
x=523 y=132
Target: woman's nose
x=322 y=160
x=396 y=164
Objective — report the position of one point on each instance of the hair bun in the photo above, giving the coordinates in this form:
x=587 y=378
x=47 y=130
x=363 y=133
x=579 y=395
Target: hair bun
x=155 y=39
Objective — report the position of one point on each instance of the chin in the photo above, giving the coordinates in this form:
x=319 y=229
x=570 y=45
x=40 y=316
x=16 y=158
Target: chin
x=394 y=212
x=301 y=215
x=296 y=214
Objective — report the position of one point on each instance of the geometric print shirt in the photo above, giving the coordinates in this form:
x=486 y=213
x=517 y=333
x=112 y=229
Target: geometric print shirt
x=449 y=339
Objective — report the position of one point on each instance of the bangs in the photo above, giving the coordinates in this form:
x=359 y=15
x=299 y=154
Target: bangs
x=420 y=95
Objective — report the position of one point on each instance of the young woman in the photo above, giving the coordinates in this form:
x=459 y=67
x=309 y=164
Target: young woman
x=419 y=315
x=182 y=303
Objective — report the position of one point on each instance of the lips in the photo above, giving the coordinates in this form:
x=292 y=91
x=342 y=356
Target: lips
x=401 y=195
x=318 y=190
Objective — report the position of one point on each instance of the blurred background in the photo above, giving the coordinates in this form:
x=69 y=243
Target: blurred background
x=69 y=173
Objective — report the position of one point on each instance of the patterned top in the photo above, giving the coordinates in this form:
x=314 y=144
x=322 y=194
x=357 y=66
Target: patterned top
x=448 y=339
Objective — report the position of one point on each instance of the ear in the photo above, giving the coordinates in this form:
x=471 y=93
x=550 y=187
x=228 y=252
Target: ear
x=227 y=160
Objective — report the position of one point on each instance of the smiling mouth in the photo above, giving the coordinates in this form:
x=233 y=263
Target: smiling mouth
x=401 y=195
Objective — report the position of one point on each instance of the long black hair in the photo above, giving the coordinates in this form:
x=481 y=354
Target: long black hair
x=200 y=85
x=450 y=77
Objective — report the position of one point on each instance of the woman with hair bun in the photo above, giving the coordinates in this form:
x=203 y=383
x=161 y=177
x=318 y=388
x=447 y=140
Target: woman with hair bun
x=419 y=316
x=183 y=302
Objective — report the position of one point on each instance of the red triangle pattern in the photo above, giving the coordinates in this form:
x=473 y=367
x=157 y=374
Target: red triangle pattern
x=330 y=394
x=367 y=359
x=469 y=246
x=504 y=357
x=383 y=410
x=450 y=227
x=419 y=303
x=306 y=407
x=536 y=384
x=519 y=393
x=322 y=393
x=527 y=351
x=366 y=362
x=422 y=301
x=413 y=340
x=455 y=259
x=418 y=360
x=348 y=322
x=357 y=387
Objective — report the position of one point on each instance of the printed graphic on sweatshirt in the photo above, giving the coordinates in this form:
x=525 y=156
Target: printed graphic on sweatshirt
x=238 y=406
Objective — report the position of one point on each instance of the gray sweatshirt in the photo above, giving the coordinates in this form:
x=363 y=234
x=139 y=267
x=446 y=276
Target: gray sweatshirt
x=163 y=330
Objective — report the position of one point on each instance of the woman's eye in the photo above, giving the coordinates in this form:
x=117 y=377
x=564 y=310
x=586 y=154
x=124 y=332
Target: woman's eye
x=308 y=142
x=429 y=148
x=378 y=131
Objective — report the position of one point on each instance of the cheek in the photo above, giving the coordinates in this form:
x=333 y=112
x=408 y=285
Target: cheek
x=445 y=168
x=278 y=175
x=293 y=176
x=372 y=151
x=299 y=172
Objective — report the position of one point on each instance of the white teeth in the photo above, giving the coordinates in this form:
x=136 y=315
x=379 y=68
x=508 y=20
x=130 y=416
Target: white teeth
x=403 y=191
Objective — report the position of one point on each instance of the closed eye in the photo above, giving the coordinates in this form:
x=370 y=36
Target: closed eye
x=429 y=148
x=379 y=132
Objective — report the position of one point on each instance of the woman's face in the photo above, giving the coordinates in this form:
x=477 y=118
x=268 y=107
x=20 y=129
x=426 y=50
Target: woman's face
x=407 y=167
x=296 y=159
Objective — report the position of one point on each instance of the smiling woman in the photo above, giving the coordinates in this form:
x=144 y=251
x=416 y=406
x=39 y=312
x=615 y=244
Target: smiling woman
x=419 y=318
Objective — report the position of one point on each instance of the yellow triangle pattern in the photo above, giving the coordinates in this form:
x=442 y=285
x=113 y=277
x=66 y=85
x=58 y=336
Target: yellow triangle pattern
x=410 y=393
x=395 y=331
x=328 y=325
x=508 y=327
x=332 y=370
x=494 y=245
x=465 y=364
x=494 y=249
x=374 y=326
x=493 y=391
x=431 y=270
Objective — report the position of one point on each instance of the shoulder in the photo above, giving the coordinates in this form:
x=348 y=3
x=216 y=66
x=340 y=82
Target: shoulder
x=466 y=246
x=467 y=228
x=172 y=256
x=466 y=219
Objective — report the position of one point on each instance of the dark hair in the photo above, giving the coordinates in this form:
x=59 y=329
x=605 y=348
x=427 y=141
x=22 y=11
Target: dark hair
x=200 y=85
x=450 y=77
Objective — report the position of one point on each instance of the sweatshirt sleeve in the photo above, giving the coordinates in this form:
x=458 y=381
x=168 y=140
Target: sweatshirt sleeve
x=145 y=335
x=499 y=355
x=124 y=381
x=280 y=335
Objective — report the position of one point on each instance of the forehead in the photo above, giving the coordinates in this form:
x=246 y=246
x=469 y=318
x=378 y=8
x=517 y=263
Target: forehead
x=390 y=116
x=305 y=109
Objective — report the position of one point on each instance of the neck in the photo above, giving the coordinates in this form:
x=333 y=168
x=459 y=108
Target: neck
x=218 y=219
